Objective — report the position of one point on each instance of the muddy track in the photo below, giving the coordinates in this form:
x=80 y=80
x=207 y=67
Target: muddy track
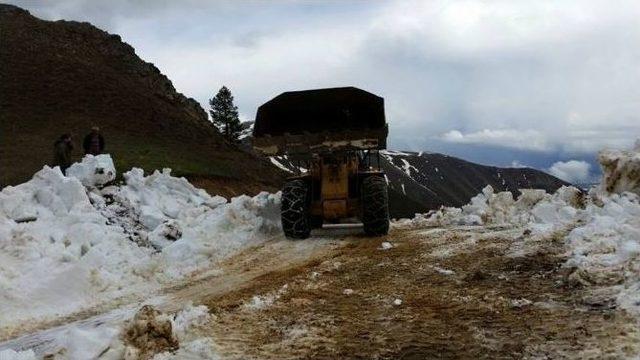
x=436 y=294
x=237 y=272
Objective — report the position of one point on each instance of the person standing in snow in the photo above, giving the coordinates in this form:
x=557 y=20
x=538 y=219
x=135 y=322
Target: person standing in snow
x=62 y=152
x=94 y=142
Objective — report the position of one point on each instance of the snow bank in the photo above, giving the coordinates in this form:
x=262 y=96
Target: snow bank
x=621 y=170
x=65 y=246
x=93 y=170
x=535 y=208
x=17 y=355
x=605 y=248
x=603 y=241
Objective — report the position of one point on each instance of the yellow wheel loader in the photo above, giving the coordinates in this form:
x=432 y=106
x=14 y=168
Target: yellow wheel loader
x=333 y=137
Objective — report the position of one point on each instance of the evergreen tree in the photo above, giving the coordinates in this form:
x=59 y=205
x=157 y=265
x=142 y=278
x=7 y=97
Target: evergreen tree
x=225 y=114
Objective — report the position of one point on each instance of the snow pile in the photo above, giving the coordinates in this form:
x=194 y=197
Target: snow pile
x=143 y=334
x=541 y=211
x=90 y=343
x=65 y=247
x=186 y=325
x=17 y=355
x=605 y=250
x=93 y=170
x=621 y=170
x=603 y=240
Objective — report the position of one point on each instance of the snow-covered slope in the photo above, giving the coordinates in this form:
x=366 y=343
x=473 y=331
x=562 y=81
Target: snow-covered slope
x=65 y=246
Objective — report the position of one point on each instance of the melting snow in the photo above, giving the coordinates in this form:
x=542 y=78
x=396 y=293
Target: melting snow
x=65 y=247
x=406 y=167
x=275 y=162
x=66 y=244
x=603 y=242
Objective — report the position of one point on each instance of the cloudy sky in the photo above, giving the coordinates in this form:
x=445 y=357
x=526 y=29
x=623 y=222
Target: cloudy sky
x=511 y=83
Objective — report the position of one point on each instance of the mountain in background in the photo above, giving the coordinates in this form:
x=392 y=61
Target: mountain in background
x=419 y=182
x=425 y=181
x=65 y=77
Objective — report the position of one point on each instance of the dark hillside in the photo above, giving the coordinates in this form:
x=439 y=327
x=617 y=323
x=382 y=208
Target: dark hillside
x=431 y=180
x=419 y=182
x=66 y=76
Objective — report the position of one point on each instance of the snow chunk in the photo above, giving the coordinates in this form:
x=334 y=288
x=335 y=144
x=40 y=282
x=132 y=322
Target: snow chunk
x=202 y=348
x=621 y=170
x=518 y=303
x=397 y=302
x=93 y=170
x=188 y=318
x=443 y=271
x=259 y=302
x=385 y=245
x=17 y=355
x=88 y=343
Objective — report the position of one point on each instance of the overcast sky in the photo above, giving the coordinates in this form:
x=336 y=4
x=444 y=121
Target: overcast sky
x=521 y=83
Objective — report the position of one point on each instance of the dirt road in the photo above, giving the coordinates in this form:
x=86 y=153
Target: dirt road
x=469 y=292
x=438 y=293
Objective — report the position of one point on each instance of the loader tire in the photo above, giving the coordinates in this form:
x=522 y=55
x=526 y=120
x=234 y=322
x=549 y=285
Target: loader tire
x=294 y=210
x=375 y=206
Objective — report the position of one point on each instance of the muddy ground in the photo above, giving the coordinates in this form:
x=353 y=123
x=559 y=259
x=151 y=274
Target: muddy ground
x=469 y=292
x=437 y=293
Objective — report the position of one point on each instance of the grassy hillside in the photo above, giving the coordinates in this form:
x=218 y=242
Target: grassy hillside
x=65 y=76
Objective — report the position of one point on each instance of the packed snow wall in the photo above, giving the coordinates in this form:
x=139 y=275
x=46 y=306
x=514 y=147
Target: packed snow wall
x=70 y=242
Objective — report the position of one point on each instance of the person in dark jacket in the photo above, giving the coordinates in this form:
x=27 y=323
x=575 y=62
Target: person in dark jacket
x=94 y=142
x=62 y=152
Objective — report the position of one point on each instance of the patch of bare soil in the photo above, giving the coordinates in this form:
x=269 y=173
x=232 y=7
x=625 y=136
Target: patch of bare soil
x=435 y=294
x=148 y=333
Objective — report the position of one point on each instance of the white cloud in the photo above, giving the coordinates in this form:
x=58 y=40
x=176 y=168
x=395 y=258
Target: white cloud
x=573 y=171
x=517 y=165
x=559 y=76
x=517 y=139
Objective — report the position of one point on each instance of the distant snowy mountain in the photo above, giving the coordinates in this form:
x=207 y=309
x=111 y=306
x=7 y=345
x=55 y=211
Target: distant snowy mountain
x=419 y=182
x=423 y=181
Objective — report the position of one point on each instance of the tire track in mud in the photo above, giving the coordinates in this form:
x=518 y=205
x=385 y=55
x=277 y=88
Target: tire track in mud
x=230 y=274
x=454 y=293
x=438 y=293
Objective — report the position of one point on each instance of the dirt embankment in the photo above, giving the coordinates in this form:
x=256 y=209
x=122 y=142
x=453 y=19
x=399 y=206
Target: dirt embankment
x=436 y=294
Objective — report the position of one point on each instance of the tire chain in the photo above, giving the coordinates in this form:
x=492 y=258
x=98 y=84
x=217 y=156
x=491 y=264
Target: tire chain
x=294 y=212
x=375 y=206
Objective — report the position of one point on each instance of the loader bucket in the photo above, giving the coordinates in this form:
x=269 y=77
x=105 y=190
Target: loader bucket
x=314 y=121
